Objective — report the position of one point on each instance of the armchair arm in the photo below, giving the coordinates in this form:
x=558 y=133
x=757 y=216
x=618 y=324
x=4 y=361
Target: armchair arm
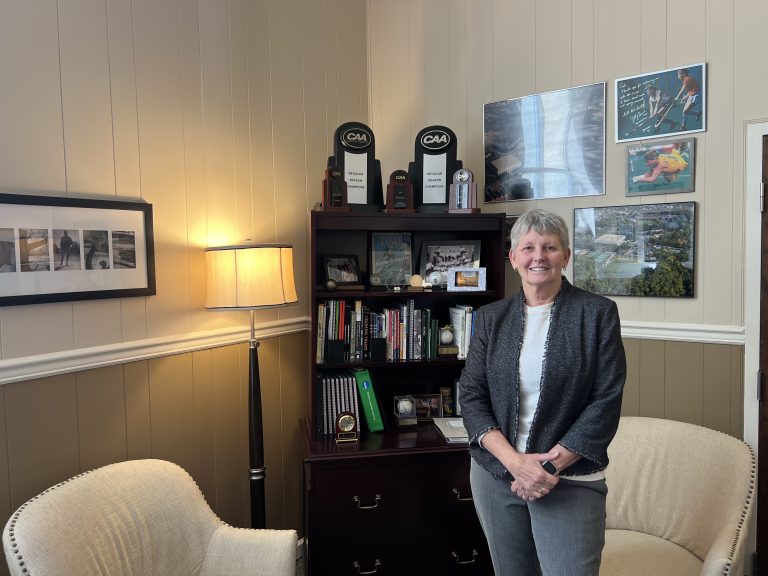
x=726 y=556
x=245 y=552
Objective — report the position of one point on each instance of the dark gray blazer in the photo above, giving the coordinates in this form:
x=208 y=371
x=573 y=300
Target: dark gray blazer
x=582 y=379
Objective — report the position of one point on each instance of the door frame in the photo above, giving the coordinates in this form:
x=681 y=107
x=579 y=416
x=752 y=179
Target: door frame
x=755 y=130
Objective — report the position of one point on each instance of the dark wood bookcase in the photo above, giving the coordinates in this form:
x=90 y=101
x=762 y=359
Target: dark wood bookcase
x=396 y=501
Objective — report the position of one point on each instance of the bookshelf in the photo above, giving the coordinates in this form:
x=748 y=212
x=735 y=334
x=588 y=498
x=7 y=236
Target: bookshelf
x=421 y=481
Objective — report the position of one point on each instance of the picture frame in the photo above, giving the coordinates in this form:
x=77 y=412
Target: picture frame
x=344 y=269
x=466 y=279
x=546 y=145
x=428 y=406
x=437 y=256
x=57 y=249
x=663 y=167
x=661 y=103
x=636 y=250
x=391 y=258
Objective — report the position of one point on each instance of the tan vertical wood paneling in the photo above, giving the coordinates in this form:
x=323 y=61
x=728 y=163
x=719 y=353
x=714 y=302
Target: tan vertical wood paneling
x=42 y=434
x=457 y=94
x=417 y=84
x=230 y=373
x=161 y=145
x=294 y=406
x=653 y=30
x=716 y=398
x=553 y=59
x=652 y=389
x=738 y=390
x=583 y=42
x=630 y=405
x=5 y=489
x=204 y=471
x=434 y=27
x=479 y=78
x=172 y=412
x=94 y=322
x=23 y=334
x=101 y=417
x=352 y=57
x=272 y=414
x=85 y=94
x=138 y=420
x=684 y=381
x=515 y=74
x=31 y=145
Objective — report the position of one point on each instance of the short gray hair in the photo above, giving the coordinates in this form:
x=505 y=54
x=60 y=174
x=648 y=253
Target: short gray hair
x=541 y=222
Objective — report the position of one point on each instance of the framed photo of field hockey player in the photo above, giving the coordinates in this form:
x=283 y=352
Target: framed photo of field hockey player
x=56 y=249
x=662 y=103
x=661 y=167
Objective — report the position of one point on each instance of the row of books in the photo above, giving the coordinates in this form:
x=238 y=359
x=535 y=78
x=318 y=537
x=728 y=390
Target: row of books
x=346 y=391
x=349 y=331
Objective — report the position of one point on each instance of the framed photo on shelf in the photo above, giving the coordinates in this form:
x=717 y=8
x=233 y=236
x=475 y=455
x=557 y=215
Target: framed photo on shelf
x=439 y=256
x=641 y=250
x=428 y=406
x=661 y=103
x=466 y=279
x=661 y=167
x=391 y=258
x=56 y=249
x=342 y=269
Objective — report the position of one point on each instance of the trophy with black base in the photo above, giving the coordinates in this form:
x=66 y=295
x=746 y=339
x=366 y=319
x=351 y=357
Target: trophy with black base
x=399 y=193
x=334 y=191
x=354 y=154
x=433 y=167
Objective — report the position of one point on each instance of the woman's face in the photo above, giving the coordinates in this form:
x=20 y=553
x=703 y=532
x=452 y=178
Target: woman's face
x=540 y=259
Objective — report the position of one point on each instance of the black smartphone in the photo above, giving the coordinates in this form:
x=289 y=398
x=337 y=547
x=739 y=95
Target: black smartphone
x=549 y=467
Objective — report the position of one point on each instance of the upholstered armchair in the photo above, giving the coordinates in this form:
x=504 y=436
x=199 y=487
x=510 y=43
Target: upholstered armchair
x=141 y=517
x=680 y=499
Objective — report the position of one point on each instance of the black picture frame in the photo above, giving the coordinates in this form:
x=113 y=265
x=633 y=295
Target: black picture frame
x=344 y=269
x=636 y=250
x=391 y=258
x=57 y=249
x=438 y=256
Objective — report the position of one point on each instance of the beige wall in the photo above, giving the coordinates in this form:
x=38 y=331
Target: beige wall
x=221 y=115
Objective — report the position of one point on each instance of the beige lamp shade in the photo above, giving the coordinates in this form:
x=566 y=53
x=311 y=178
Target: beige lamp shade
x=249 y=276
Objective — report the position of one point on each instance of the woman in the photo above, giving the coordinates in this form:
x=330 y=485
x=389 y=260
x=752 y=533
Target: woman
x=540 y=397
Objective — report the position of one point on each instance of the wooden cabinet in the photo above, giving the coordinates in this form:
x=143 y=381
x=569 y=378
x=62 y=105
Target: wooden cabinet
x=397 y=501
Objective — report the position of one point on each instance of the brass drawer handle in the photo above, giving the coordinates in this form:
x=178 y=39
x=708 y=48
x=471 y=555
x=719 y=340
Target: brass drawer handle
x=456 y=557
x=377 y=498
x=376 y=565
x=459 y=498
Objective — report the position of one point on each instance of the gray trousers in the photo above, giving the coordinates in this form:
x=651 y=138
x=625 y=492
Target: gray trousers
x=564 y=531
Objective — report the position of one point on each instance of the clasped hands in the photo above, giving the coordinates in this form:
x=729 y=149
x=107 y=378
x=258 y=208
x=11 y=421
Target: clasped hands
x=531 y=480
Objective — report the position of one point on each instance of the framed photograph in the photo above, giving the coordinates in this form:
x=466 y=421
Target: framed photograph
x=438 y=256
x=662 y=103
x=428 y=406
x=343 y=269
x=466 y=279
x=55 y=249
x=642 y=250
x=660 y=168
x=548 y=145
x=391 y=258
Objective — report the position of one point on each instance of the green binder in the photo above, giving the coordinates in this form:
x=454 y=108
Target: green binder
x=368 y=400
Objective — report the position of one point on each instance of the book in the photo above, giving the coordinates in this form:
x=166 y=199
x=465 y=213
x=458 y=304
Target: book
x=452 y=430
x=368 y=400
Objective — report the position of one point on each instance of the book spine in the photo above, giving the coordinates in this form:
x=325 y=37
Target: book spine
x=368 y=400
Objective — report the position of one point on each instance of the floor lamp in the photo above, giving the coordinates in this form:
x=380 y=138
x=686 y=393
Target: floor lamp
x=251 y=277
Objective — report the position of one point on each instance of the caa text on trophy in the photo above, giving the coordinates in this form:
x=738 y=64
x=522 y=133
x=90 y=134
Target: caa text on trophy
x=463 y=194
x=334 y=191
x=399 y=193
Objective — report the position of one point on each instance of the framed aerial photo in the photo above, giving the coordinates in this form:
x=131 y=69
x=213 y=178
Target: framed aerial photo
x=662 y=103
x=548 y=145
x=640 y=250
x=55 y=249
x=660 y=167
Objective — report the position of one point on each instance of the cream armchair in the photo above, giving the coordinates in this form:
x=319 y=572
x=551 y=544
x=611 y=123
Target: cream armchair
x=142 y=517
x=680 y=498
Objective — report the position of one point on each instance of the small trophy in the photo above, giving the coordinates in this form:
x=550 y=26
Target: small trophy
x=463 y=195
x=447 y=346
x=334 y=191
x=399 y=193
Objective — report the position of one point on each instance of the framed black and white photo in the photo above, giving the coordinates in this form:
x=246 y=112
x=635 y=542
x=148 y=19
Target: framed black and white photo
x=547 y=145
x=661 y=103
x=342 y=269
x=466 y=279
x=55 y=249
x=391 y=258
x=440 y=255
x=639 y=250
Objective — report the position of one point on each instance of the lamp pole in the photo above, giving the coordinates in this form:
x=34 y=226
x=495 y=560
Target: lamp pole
x=257 y=471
